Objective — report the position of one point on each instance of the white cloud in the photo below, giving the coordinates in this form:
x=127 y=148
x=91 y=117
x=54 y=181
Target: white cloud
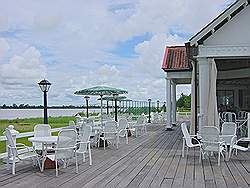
x=23 y=70
x=71 y=43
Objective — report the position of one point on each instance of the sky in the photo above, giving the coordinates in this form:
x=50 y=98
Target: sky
x=83 y=43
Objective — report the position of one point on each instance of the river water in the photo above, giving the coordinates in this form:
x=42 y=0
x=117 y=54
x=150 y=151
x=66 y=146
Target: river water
x=33 y=113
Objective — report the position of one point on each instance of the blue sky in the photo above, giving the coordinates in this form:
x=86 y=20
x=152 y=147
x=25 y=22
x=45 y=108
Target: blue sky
x=86 y=43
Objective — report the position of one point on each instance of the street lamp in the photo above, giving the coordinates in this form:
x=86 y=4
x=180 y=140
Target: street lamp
x=158 y=103
x=149 y=110
x=115 y=97
x=164 y=106
x=45 y=85
x=87 y=105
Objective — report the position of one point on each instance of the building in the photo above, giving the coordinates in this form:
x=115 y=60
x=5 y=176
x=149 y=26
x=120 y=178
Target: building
x=225 y=41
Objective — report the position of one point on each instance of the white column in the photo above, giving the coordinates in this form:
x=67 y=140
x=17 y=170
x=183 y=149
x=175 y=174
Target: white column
x=174 y=103
x=203 y=90
x=169 y=106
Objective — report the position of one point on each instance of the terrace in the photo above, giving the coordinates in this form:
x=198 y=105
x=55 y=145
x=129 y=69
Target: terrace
x=151 y=160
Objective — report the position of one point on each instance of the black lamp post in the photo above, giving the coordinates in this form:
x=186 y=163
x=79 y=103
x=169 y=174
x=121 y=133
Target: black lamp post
x=115 y=97
x=149 y=110
x=87 y=105
x=164 y=109
x=158 y=103
x=45 y=85
x=107 y=107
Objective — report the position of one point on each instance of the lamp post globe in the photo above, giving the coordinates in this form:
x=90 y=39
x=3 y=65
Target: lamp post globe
x=87 y=105
x=45 y=86
x=149 y=110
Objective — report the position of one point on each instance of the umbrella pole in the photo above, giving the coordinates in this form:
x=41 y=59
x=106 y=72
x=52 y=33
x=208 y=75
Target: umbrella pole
x=101 y=108
x=116 y=110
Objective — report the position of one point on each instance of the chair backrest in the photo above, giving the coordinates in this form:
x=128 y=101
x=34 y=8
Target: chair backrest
x=141 y=119
x=66 y=139
x=85 y=137
x=242 y=114
x=186 y=135
x=229 y=117
x=109 y=128
x=122 y=126
x=41 y=130
x=11 y=142
x=72 y=123
x=229 y=128
x=210 y=138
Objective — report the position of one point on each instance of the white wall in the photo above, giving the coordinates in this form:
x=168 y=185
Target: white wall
x=235 y=32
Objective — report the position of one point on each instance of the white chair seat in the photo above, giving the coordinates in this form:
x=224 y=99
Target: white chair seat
x=213 y=148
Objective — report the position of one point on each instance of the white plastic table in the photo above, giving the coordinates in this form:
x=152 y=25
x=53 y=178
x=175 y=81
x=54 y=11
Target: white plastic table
x=44 y=139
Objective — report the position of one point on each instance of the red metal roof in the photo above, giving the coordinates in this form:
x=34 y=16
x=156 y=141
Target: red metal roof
x=175 y=59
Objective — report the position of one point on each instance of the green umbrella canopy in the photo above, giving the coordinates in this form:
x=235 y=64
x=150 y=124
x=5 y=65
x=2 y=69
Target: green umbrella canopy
x=111 y=98
x=101 y=90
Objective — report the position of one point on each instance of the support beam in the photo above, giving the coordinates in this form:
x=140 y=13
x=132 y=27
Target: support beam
x=203 y=90
x=169 y=105
x=174 y=103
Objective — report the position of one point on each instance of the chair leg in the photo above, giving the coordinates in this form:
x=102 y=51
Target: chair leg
x=83 y=157
x=183 y=147
x=38 y=162
x=56 y=168
x=104 y=143
x=127 y=138
x=200 y=155
x=219 y=159
x=76 y=164
x=117 y=141
x=14 y=165
x=90 y=156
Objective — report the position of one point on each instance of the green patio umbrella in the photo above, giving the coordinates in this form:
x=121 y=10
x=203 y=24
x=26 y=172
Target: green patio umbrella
x=101 y=91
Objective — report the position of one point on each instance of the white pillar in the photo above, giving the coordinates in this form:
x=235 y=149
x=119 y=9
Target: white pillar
x=174 y=103
x=169 y=106
x=203 y=89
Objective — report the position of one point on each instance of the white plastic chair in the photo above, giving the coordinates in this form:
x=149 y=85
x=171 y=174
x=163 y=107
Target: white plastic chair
x=13 y=155
x=65 y=148
x=228 y=131
x=110 y=132
x=140 y=125
x=234 y=147
x=84 y=143
x=229 y=117
x=211 y=142
x=187 y=140
x=122 y=129
x=41 y=130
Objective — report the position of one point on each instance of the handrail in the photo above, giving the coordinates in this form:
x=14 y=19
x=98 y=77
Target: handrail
x=28 y=134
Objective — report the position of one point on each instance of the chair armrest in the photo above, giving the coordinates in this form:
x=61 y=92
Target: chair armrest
x=58 y=149
x=88 y=142
x=197 y=140
x=110 y=132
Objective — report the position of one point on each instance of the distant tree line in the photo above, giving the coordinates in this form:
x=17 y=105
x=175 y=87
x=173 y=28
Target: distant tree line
x=27 y=106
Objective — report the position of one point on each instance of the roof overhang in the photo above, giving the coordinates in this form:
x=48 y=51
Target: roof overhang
x=218 y=22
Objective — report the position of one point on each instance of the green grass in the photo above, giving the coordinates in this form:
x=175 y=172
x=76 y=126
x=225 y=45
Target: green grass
x=27 y=125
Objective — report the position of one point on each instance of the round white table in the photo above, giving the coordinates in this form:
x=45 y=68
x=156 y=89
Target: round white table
x=44 y=139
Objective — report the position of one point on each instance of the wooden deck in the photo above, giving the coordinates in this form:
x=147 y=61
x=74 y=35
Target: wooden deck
x=152 y=160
